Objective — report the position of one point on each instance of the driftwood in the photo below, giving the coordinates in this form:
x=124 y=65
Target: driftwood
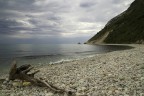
x=22 y=73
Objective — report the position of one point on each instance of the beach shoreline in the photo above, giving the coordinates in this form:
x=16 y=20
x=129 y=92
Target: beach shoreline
x=113 y=73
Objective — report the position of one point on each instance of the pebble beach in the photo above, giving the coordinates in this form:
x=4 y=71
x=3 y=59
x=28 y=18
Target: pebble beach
x=117 y=73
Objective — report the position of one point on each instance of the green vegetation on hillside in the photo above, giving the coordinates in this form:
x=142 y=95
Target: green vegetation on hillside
x=127 y=27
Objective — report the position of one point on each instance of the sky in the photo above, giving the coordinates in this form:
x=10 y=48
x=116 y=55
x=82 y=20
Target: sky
x=55 y=21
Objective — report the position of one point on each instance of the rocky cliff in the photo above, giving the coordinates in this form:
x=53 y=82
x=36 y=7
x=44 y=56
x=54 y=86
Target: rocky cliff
x=127 y=27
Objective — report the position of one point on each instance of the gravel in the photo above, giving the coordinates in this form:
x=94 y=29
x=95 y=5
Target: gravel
x=118 y=73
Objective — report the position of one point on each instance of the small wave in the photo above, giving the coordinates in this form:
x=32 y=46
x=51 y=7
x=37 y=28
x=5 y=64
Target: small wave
x=61 y=61
x=21 y=51
x=39 y=56
x=67 y=60
x=84 y=52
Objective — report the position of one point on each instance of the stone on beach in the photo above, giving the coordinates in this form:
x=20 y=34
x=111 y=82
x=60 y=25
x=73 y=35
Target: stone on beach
x=118 y=73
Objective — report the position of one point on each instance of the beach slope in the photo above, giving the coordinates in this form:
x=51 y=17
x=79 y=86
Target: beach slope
x=108 y=74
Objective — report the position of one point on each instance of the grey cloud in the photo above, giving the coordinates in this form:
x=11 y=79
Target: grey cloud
x=8 y=26
x=56 y=18
x=19 y=5
x=87 y=4
x=6 y=14
x=117 y=1
x=103 y=10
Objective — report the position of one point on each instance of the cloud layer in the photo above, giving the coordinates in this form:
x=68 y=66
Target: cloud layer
x=59 y=20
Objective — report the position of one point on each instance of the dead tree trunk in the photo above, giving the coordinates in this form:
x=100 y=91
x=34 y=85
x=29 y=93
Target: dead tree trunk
x=21 y=73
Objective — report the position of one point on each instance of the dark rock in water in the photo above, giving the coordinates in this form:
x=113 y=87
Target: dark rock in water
x=128 y=27
x=79 y=43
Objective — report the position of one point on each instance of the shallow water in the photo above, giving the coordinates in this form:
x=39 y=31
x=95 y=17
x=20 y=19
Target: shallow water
x=37 y=54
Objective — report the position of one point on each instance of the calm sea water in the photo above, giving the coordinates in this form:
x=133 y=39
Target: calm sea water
x=38 y=54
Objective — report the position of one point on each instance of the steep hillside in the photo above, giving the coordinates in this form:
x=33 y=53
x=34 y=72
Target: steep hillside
x=128 y=27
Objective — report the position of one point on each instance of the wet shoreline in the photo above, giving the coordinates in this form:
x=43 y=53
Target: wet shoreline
x=114 y=73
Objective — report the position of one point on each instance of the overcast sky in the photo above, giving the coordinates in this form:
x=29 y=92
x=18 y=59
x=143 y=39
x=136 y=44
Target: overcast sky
x=55 y=21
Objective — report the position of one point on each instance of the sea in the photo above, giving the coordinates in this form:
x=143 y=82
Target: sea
x=43 y=54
